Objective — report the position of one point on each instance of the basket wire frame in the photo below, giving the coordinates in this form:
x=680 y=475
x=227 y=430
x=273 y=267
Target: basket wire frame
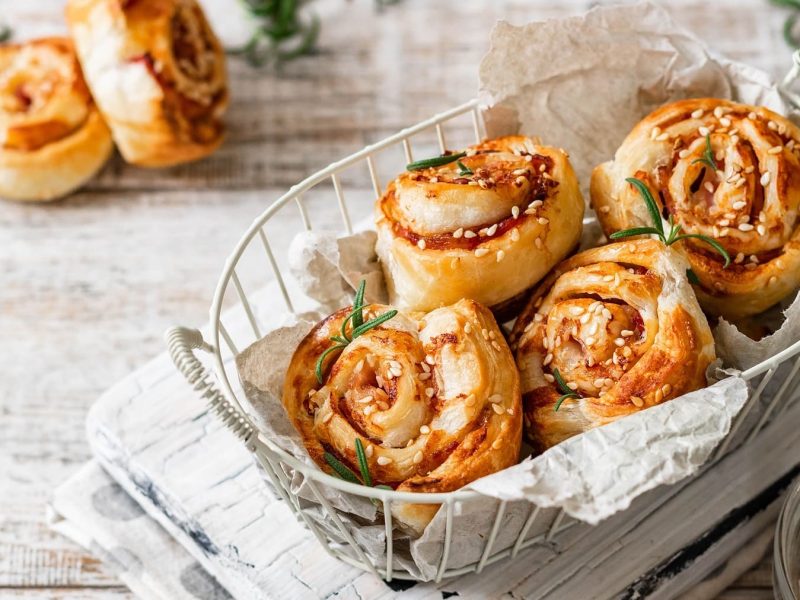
x=277 y=463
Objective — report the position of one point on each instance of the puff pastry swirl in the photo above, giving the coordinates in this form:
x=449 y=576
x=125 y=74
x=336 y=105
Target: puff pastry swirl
x=435 y=401
x=157 y=72
x=52 y=138
x=489 y=235
x=749 y=204
x=621 y=327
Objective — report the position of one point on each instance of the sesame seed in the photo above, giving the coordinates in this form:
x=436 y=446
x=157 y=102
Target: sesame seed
x=703 y=130
x=718 y=112
x=498 y=409
x=619 y=341
x=745 y=227
x=424 y=376
x=659 y=396
x=519 y=181
x=772 y=280
x=389 y=374
x=548 y=359
x=365 y=400
x=424 y=429
x=430 y=360
x=520 y=172
x=666 y=389
x=458 y=232
x=369 y=450
x=761 y=229
x=626 y=352
x=481 y=252
x=608 y=278
x=536 y=204
x=497 y=346
x=515 y=211
x=470 y=234
x=538 y=317
x=739 y=258
x=626 y=333
x=500 y=255
x=495 y=398
x=739 y=205
x=775 y=150
x=492 y=230
x=605 y=209
x=585 y=318
x=515 y=235
x=663 y=137
x=772 y=125
x=384 y=460
x=753 y=258
x=467 y=328
x=429 y=392
x=485 y=333
x=607 y=314
x=725 y=122
x=637 y=402
x=709 y=186
x=543 y=220
x=765 y=178
x=589 y=341
x=421 y=244
x=654 y=132
x=698 y=113
x=572 y=385
x=379 y=380
x=497 y=444
x=369 y=410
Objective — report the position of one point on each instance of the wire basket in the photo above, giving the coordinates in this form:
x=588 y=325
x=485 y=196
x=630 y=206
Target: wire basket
x=768 y=381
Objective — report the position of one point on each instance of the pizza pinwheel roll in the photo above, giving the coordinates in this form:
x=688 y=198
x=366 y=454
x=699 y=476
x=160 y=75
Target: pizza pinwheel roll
x=723 y=170
x=52 y=137
x=157 y=72
x=485 y=226
x=432 y=400
x=611 y=331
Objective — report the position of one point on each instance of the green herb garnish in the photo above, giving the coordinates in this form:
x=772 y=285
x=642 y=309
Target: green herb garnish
x=5 y=33
x=358 y=328
x=343 y=471
x=708 y=155
x=674 y=234
x=340 y=468
x=567 y=391
x=789 y=25
x=463 y=170
x=436 y=161
x=362 y=463
x=692 y=277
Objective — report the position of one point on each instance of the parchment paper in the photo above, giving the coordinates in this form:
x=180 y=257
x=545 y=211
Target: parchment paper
x=537 y=79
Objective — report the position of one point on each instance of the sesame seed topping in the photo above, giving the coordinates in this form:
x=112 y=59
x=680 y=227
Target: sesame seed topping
x=515 y=235
x=619 y=341
x=655 y=131
x=709 y=186
x=536 y=204
x=369 y=450
x=608 y=278
x=369 y=410
x=418 y=457
x=515 y=211
x=666 y=389
x=765 y=178
x=703 y=130
x=497 y=444
x=520 y=172
x=775 y=150
x=495 y=398
x=538 y=317
x=626 y=333
x=481 y=252
x=498 y=409
x=548 y=359
x=543 y=220
x=458 y=232
x=496 y=346
x=467 y=328
x=500 y=255
x=745 y=227
x=424 y=376
x=424 y=429
x=739 y=205
x=637 y=401
x=430 y=360
x=589 y=341
x=659 y=396
x=697 y=113
x=492 y=230
x=772 y=125
x=384 y=460
x=761 y=229
x=572 y=385
x=421 y=244
x=772 y=280
x=725 y=122
x=485 y=333
x=585 y=318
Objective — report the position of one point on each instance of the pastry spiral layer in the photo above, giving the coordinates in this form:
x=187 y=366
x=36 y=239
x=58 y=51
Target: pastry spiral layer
x=488 y=235
x=435 y=401
x=157 y=72
x=51 y=134
x=749 y=204
x=622 y=328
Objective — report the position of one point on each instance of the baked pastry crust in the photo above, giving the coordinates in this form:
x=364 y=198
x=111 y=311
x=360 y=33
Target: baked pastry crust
x=488 y=236
x=51 y=134
x=434 y=398
x=749 y=205
x=621 y=325
x=157 y=72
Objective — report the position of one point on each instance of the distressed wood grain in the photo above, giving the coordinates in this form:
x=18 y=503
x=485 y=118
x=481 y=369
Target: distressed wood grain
x=89 y=284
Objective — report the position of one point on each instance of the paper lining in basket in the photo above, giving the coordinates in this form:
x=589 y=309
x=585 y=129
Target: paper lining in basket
x=536 y=79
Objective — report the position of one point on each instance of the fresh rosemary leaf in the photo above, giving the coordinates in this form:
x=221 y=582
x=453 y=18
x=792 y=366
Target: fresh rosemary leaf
x=436 y=161
x=635 y=231
x=321 y=361
x=340 y=468
x=567 y=391
x=358 y=304
x=652 y=207
x=692 y=277
x=362 y=463
x=708 y=155
x=710 y=241
x=362 y=329
x=463 y=170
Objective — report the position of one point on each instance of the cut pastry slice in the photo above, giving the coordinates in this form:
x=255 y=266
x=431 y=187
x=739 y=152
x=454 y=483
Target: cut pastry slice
x=157 y=72
x=486 y=227
x=52 y=137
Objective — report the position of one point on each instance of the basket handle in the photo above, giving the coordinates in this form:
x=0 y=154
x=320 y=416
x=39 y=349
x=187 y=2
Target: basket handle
x=181 y=344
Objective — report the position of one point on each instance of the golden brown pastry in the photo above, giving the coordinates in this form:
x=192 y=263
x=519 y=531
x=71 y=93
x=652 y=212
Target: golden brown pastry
x=487 y=227
x=53 y=138
x=157 y=71
x=434 y=399
x=621 y=327
x=743 y=191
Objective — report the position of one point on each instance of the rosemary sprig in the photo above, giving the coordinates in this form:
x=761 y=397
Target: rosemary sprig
x=340 y=468
x=358 y=328
x=567 y=391
x=363 y=466
x=708 y=155
x=674 y=234
x=436 y=161
x=343 y=471
x=692 y=277
x=463 y=170
x=792 y=39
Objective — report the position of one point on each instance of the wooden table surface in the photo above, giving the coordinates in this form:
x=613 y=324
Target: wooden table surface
x=88 y=285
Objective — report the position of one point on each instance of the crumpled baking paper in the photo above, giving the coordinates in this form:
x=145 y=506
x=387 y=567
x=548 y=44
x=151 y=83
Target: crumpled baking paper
x=536 y=80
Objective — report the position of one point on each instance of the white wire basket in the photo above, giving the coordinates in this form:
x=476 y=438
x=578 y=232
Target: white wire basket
x=772 y=383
